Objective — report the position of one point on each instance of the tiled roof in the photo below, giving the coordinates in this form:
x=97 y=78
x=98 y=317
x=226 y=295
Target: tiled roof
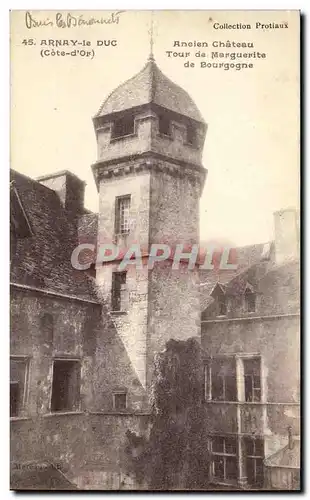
x=43 y=260
x=277 y=284
x=150 y=85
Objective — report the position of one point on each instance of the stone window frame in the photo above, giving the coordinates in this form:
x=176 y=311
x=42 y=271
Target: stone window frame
x=255 y=388
x=255 y=458
x=122 y=215
x=224 y=455
x=208 y=378
x=129 y=118
x=120 y=392
x=239 y=361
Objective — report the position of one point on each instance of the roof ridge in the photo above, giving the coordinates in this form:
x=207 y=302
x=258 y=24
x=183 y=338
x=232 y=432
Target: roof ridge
x=150 y=85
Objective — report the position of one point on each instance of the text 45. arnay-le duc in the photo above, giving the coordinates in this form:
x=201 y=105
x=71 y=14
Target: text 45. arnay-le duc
x=73 y=43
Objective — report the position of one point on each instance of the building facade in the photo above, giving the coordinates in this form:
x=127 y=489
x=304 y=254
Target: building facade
x=250 y=333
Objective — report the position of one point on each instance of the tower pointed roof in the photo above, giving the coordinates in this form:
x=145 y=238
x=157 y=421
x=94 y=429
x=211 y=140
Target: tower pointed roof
x=150 y=85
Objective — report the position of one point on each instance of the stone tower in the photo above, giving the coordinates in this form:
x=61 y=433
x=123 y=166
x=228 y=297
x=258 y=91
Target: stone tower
x=149 y=175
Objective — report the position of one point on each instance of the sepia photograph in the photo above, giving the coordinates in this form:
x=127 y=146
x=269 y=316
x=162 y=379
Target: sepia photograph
x=155 y=250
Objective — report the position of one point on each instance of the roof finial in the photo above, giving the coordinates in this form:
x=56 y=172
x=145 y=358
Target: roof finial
x=151 y=33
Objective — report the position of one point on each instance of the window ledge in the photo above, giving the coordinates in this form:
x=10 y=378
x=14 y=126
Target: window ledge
x=62 y=413
x=240 y=402
x=118 y=313
x=223 y=402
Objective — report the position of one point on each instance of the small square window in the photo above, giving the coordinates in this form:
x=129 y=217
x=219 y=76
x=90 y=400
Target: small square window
x=120 y=401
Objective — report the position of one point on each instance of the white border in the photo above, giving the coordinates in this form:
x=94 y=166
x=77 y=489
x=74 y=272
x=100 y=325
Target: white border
x=4 y=49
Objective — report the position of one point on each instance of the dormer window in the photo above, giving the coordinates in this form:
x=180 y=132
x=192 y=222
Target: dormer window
x=164 y=124
x=123 y=126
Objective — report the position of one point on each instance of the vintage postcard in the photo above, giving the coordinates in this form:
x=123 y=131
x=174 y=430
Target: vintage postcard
x=154 y=232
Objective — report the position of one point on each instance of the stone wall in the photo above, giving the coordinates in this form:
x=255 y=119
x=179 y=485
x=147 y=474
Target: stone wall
x=277 y=340
x=86 y=447
x=83 y=331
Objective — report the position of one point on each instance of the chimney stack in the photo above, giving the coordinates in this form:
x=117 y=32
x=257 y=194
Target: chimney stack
x=69 y=188
x=286 y=224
